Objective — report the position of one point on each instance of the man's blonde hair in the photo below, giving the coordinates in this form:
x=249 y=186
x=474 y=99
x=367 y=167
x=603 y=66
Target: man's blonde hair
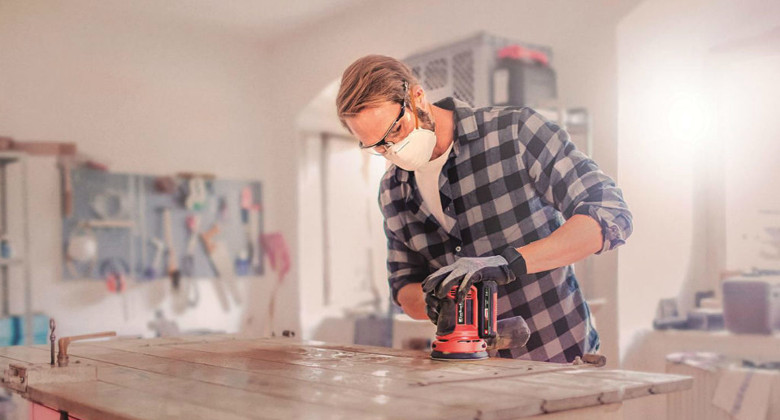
x=371 y=81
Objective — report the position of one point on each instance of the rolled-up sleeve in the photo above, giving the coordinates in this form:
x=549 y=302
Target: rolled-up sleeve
x=404 y=266
x=571 y=181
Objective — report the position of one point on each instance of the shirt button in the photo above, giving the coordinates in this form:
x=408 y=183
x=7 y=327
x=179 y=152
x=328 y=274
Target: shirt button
x=457 y=249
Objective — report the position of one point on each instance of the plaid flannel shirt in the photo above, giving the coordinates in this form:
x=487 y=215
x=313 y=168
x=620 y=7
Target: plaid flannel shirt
x=511 y=179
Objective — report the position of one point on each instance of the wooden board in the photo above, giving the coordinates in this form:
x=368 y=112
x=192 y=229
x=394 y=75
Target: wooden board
x=229 y=376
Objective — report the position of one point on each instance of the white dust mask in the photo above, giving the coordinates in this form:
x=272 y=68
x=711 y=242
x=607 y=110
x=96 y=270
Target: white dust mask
x=413 y=151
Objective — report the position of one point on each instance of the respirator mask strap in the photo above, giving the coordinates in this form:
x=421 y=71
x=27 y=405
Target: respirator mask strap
x=414 y=110
x=397 y=147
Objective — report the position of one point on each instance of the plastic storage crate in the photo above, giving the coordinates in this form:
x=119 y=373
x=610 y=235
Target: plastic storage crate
x=464 y=69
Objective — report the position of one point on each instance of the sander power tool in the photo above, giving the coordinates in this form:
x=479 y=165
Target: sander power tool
x=474 y=324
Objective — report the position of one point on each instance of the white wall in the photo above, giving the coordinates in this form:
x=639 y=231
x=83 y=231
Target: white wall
x=655 y=164
x=682 y=116
x=582 y=36
x=145 y=94
x=751 y=92
x=675 y=131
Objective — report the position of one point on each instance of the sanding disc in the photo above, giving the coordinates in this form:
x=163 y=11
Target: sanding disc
x=439 y=355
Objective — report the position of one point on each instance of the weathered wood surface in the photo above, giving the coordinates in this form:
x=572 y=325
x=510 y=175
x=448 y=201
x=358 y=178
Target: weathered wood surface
x=228 y=376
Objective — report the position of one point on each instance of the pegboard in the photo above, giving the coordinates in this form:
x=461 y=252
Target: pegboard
x=133 y=201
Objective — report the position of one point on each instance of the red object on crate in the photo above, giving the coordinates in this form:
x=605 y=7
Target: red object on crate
x=518 y=52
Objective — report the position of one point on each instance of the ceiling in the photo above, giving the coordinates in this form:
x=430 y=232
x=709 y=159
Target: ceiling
x=261 y=19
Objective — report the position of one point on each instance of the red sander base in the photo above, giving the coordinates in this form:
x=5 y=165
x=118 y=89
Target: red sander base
x=459 y=350
x=475 y=318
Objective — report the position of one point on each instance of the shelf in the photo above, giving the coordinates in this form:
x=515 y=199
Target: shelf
x=20 y=177
x=648 y=348
x=10 y=261
x=7 y=157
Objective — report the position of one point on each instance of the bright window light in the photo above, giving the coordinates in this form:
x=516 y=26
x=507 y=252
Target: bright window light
x=689 y=118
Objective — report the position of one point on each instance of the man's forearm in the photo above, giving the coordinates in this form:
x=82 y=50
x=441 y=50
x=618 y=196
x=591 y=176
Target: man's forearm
x=577 y=238
x=412 y=301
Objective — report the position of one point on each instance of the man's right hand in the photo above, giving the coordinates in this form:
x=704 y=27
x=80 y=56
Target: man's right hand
x=420 y=306
x=433 y=307
x=411 y=299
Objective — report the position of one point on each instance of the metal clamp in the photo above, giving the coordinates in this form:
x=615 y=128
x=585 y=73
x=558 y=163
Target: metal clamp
x=62 y=354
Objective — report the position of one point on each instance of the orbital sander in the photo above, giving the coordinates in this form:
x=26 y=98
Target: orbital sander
x=467 y=330
x=474 y=323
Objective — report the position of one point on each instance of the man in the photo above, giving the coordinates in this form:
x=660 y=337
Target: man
x=482 y=194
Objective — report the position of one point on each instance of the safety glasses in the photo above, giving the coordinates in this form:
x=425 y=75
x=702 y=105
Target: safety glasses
x=381 y=147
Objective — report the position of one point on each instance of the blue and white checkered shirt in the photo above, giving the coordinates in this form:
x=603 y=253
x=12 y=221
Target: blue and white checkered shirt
x=511 y=178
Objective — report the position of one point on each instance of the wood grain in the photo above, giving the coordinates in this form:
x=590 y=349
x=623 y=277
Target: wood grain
x=230 y=376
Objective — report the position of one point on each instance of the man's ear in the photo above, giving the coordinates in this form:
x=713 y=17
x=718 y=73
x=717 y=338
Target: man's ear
x=418 y=95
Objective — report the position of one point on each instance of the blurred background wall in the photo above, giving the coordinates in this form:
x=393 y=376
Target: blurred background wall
x=160 y=88
x=245 y=90
x=143 y=92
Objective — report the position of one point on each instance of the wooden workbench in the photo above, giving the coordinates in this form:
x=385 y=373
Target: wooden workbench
x=231 y=377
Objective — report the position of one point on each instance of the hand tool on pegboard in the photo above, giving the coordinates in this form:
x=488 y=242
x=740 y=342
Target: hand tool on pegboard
x=150 y=272
x=188 y=261
x=222 y=264
x=189 y=295
x=173 y=262
x=250 y=218
x=114 y=271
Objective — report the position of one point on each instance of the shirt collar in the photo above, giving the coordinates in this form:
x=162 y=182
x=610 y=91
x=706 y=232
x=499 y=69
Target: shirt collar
x=465 y=121
x=466 y=128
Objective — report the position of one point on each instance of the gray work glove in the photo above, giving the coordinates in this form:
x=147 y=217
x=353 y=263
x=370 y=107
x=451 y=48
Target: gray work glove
x=466 y=271
x=511 y=333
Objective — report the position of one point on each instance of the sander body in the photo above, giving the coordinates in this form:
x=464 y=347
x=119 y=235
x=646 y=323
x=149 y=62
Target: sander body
x=475 y=322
